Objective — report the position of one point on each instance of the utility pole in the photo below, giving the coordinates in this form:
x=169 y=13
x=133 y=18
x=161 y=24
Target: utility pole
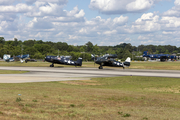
x=132 y=55
x=58 y=52
x=21 y=49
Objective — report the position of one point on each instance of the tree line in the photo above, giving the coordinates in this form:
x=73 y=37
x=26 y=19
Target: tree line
x=38 y=49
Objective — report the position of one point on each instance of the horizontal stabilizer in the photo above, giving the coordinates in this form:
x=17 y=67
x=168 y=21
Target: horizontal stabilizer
x=79 y=62
x=21 y=60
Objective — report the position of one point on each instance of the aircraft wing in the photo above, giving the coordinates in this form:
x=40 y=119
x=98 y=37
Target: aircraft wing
x=106 y=62
x=112 y=56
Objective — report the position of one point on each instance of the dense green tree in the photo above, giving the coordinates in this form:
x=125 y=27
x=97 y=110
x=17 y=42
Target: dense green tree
x=70 y=48
x=3 y=51
x=128 y=47
x=119 y=53
x=61 y=46
x=38 y=55
x=126 y=54
x=30 y=50
x=15 y=42
x=38 y=49
x=50 y=43
x=96 y=50
x=140 y=47
x=1 y=46
x=122 y=45
x=111 y=51
x=39 y=42
x=29 y=43
x=175 y=51
x=2 y=40
x=17 y=51
x=43 y=48
x=167 y=52
x=82 y=48
x=89 y=47
x=157 y=52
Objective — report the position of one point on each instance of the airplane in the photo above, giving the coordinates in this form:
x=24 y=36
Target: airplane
x=161 y=57
x=8 y=58
x=63 y=60
x=108 y=60
x=21 y=58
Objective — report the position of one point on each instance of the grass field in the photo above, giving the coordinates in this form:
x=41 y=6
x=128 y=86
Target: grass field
x=117 y=98
x=11 y=72
x=156 y=65
x=134 y=65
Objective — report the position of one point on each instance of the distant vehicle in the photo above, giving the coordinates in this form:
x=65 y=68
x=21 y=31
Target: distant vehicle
x=161 y=57
x=108 y=60
x=66 y=60
x=30 y=60
x=21 y=58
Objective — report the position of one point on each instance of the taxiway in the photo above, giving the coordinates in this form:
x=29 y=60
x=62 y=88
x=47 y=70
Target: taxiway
x=44 y=74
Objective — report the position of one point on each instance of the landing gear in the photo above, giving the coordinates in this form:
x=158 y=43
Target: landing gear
x=52 y=65
x=100 y=67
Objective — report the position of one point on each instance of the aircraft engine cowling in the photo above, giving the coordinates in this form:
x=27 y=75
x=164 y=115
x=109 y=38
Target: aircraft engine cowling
x=126 y=63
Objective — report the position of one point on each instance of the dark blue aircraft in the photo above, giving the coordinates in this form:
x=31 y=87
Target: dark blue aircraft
x=63 y=60
x=162 y=57
x=108 y=60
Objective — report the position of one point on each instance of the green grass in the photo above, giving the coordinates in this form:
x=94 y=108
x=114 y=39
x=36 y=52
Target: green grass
x=129 y=97
x=12 y=72
x=29 y=64
x=156 y=65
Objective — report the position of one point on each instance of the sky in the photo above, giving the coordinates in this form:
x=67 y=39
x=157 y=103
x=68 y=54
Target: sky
x=102 y=22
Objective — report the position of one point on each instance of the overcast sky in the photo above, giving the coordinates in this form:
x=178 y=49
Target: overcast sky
x=103 y=22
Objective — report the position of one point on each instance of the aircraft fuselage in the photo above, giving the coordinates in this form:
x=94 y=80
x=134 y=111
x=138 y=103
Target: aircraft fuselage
x=62 y=60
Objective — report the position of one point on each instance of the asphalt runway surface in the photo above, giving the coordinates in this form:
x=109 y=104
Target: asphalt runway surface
x=45 y=74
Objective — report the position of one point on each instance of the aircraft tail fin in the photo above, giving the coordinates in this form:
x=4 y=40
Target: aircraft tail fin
x=127 y=62
x=6 y=57
x=145 y=53
x=79 y=62
x=128 y=59
x=21 y=60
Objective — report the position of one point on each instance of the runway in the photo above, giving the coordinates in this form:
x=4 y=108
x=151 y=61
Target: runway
x=44 y=74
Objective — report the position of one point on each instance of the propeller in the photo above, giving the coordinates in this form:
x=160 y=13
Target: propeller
x=93 y=57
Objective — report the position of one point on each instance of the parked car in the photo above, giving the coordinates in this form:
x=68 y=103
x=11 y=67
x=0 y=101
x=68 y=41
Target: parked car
x=30 y=60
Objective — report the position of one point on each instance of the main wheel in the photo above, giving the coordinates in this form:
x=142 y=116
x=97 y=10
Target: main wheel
x=100 y=67
x=52 y=65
